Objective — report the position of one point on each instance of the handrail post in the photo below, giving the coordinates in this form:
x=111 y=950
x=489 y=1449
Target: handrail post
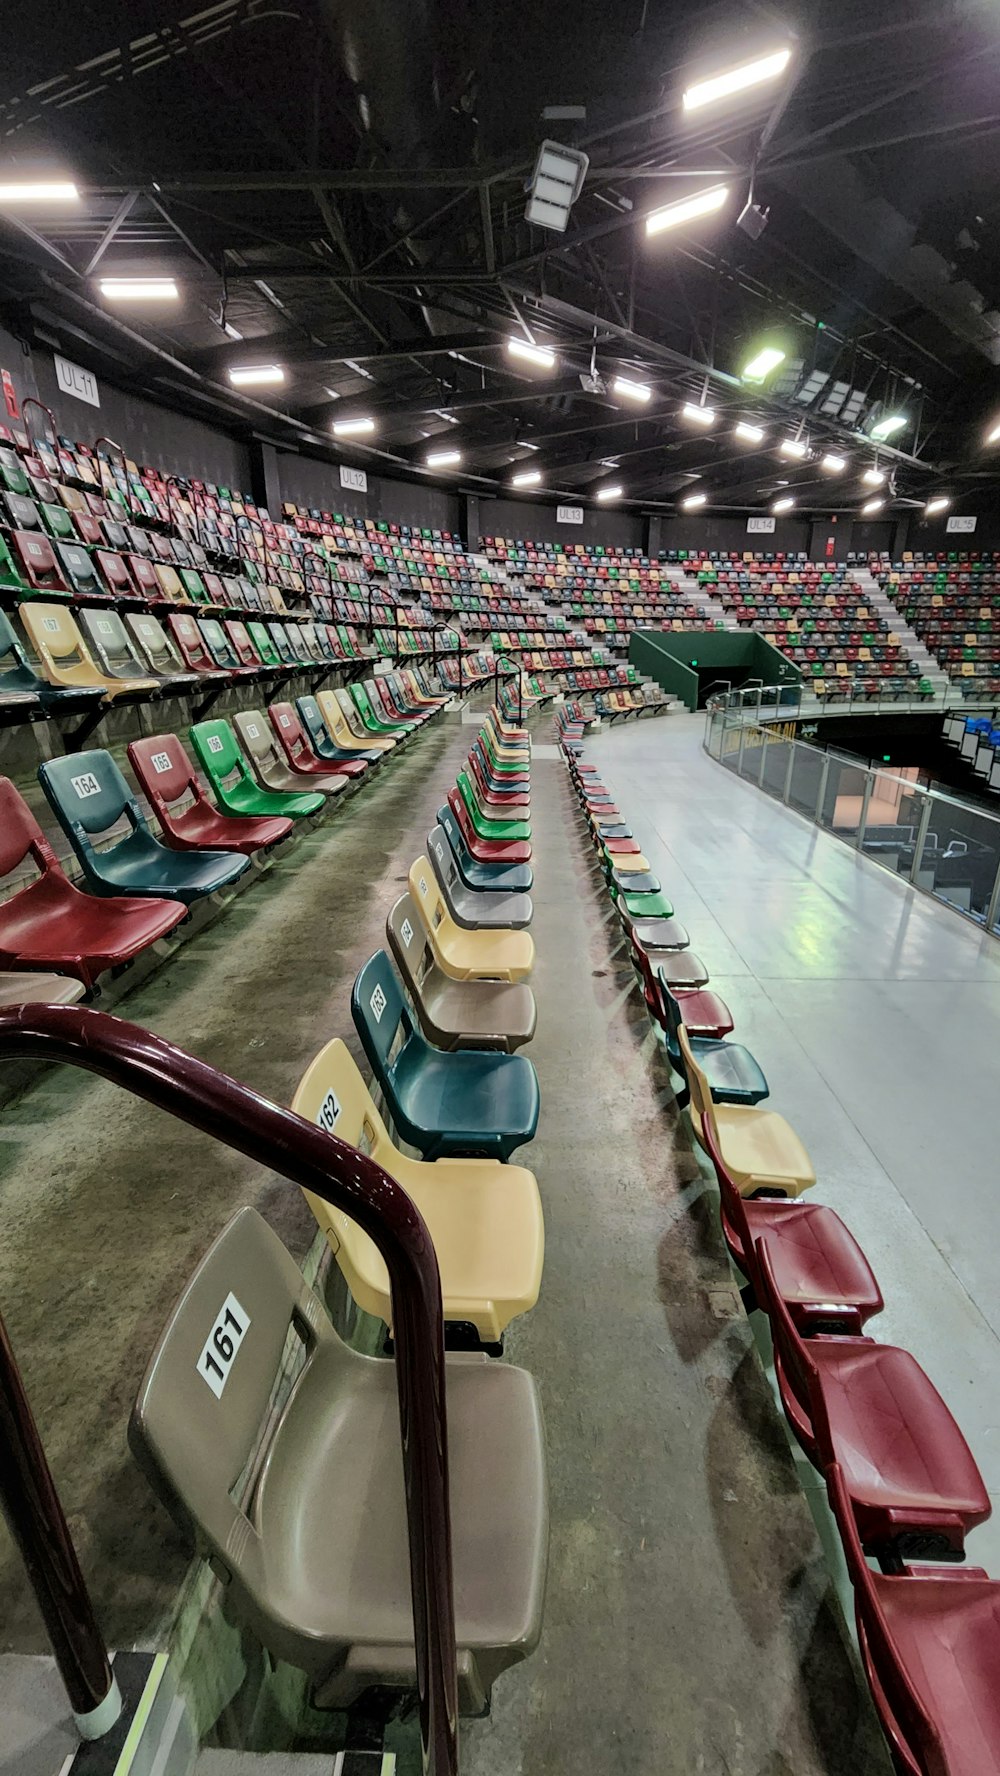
x=33 y=401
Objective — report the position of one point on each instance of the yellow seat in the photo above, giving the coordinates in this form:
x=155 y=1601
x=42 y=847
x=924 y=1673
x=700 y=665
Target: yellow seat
x=353 y=726
x=629 y=862
x=504 y=748
x=171 y=584
x=484 y=1217
x=338 y=730
x=487 y=954
x=759 y=1149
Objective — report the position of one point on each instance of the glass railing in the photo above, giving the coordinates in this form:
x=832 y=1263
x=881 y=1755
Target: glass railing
x=786 y=701
x=943 y=846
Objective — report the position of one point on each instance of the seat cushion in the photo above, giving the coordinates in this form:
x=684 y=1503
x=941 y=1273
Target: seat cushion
x=814 y=1257
x=946 y=1633
x=760 y=1149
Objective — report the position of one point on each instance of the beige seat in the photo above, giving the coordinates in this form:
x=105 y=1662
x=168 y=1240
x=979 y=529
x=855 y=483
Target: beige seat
x=38 y=989
x=296 y=1494
x=356 y=727
x=171 y=585
x=65 y=657
x=497 y=954
x=484 y=1217
x=341 y=734
x=759 y=1149
x=456 y=1014
x=258 y=740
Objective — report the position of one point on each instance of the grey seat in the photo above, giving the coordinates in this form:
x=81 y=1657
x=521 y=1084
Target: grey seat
x=158 y=651
x=108 y=637
x=272 y=770
x=474 y=907
x=313 y=1545
x=456 y=1014
x=38 y=989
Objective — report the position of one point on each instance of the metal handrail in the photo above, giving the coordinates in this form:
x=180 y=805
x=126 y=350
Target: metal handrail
x=33 y=401
x=118 y=450
x=306 y=1155
x=504 y=661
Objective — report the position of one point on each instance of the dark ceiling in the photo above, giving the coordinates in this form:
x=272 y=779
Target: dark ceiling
x=341 y=182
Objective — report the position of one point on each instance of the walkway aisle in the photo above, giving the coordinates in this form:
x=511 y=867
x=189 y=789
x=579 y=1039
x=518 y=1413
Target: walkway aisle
x=875 y=1014
x=689 y=1629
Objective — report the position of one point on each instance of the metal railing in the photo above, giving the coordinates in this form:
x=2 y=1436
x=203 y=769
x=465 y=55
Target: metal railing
x=306 y=1155
x=943 y=846
x=786 y=702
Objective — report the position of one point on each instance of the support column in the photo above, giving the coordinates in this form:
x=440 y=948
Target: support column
x=469 y=519
x=265 y=478
x=653 y=541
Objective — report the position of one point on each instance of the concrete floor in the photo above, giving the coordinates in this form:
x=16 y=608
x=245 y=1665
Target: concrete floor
x=691 y=1625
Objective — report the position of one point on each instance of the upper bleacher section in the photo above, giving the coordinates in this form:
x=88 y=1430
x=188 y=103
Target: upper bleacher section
x=952 y=601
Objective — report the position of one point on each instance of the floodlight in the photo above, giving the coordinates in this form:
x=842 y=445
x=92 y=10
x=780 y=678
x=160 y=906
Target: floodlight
x=555 y=185
x=783 y=505
x=796 y=447
x=873 y=477
x=698 y=415
x=43 y=191
x=749 y=434
x=140 y=289
x=762 y=363
x=352 y=428
x=888 y=427
x=609 y=493
x=872 y=506
x=832 y=463
x=528 y=478
x=632 y=391
x=443 y=459
x=693 y=501
x=939 y=503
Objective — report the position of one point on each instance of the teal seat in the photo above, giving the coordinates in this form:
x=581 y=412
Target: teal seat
x=509 y=878
x=236 y=788
x=456 y=1104
x=733 y=1075
x=89 y=796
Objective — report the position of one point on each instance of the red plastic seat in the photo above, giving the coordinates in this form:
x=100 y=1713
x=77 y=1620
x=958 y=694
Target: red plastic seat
x=909 y=1473
x=168 y=778
x=487 y=850
x=50 y=924
x=296 y=746
x=193 y=648
x=930 y=1645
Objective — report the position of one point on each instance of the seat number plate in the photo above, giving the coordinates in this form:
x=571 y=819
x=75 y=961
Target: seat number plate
x=221 y=1345
x=161 y=762
x=214 y=743
x=378 y=1004
x=253 y=730
x=87 y=785
x=422 y=885
x=283 y=719
x=328 y=1113
x=407 y=931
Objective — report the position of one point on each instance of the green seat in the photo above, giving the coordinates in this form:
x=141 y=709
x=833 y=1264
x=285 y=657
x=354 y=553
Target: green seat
x=260 y=635
x=12 y=474
x=448 y=1105
x=89 y=796
x=373 y=722
x=58 y=522
x=220 y=756
x=486 y=828
x=11 y=579
x=643 y=906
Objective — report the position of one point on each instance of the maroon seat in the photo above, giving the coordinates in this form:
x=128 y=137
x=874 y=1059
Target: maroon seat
x=144 y=575
x=168 y=778
x=487 y=850
x=239 y=636
x=507 y=803
x=50 y=924
x=193 y=648
x=909 y=1473
x=38 y=562
x=930 y=1645
x=297 y=748
x=704 y=1013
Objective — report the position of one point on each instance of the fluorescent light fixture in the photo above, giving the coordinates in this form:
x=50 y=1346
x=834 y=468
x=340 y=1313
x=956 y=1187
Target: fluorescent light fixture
x=871 y=506
x=527 y=478
x=33 y=191
x=703 y=416
x=533 y=354
x=796 y=447
x=723 y=86
x=688 y=209
x=443 y=459
x=765 y=361
x=523 y=444
x=994 y=435
x=832 y=463
x=140 y=289
x=352 y=428
x=784 y=504
x=609 y=493
x=888 y=427
x=556 y=184
x=250 y=375
x=873 y=477
x=749 y=434
x=693 y=501
x=632 y=391
x=939 y=503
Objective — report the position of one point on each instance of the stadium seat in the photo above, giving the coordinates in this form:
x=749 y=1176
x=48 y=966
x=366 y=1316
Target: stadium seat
x=62 y=651
x=467 y=955
x=262 y=749
x=509 y=852
x=50 y=924
x=486 y=825
x=187 y=818
x=913 y=1484
x=312 y=719
x=38 y=989
x=320 y=1571
x=484 y=1217
x=235 y=786
x=725 y=1070
x=759 y=1149
x=930 y=1646
x=500 y=878
x=475 y=908
x=89 y=797
x=193 y=651
x=159 y=653
x=445 y=1104
x=21 y=689
x=117 y=659
x=374 y=723
x=456 y=1014
x=295 y=744
x=349 y=727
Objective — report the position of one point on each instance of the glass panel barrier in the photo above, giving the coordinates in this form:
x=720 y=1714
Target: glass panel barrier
x=807 y=775
x=731 y=738
x=843 y=798
x=753 y=742
x=892 y=826
x=777 y=751
x=960 y=857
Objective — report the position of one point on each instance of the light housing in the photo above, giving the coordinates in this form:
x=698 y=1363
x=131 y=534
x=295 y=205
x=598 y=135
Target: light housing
x=532 y=354
x=993 y=435
x=527 y=478
x=140 y=289
x=353 y=428
x=698 y=415
x=693 y=501
x=747 y=433
x=254 y=375
x=687 y=209
x=556 y=184
x=609 y=493
x=762 y=363
x=737 y=80
x=832 y=463
x=939 y=503
x=37 y=191
x=794 y=447
x=872 y=506
x=631 y=391
x=442 y=459
x=784 y=504
x=873 y=477
x=887 y=427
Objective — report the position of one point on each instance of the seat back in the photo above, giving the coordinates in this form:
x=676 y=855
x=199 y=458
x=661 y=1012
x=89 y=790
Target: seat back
x=429 y=901
x=311 y=717
x=791 y=1350
x=348 y=709
x=154 y=644
x=88 y=793
x=282 y=644
x=22 y=837
x=61 y=649
x=191 y=642
x=261 y=638
x=333 y=1094
x=79 y=570
x=38 y=560
x=380 y=1015
x=114 y=573
x=453 y=833
x=205 y=1403
x=410 y=945
x=109 y=639
x=15 y=672
x=218 y=644
x=257 y=738
x=169 y=582
x=243 y=647
x=164 y=771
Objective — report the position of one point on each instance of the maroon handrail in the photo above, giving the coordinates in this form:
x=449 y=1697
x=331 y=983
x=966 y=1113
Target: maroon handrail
x=118 y=450
x=33 y=401
x=198 y=1094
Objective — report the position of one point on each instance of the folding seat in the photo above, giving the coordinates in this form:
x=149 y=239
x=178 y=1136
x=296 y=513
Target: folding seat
x=300 y=757
x=325 y=749
x=170 y=586
x=80 y=572
x=463 y=954
x=38 y=563
x=372 y=720
x=659 y=968
x=452 y=1014
x=144 y=577
x=50 y=924
x=317 y=1564
x=386 y=708
x=63 y=654
x=194 y=651
x=353 y=720
x=222 y=651
x=499 y=878
x=12 y=474
x=270 y=768
x=117 y=658
x=20 y=686
x=910 y=1478
x=38 y=989
x=475 y=908
x=498 y=802
x=89 y=796
x=727 y=1071
x=188 y=820
x=487 y=824
x=230 y=776
x=342 y=737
